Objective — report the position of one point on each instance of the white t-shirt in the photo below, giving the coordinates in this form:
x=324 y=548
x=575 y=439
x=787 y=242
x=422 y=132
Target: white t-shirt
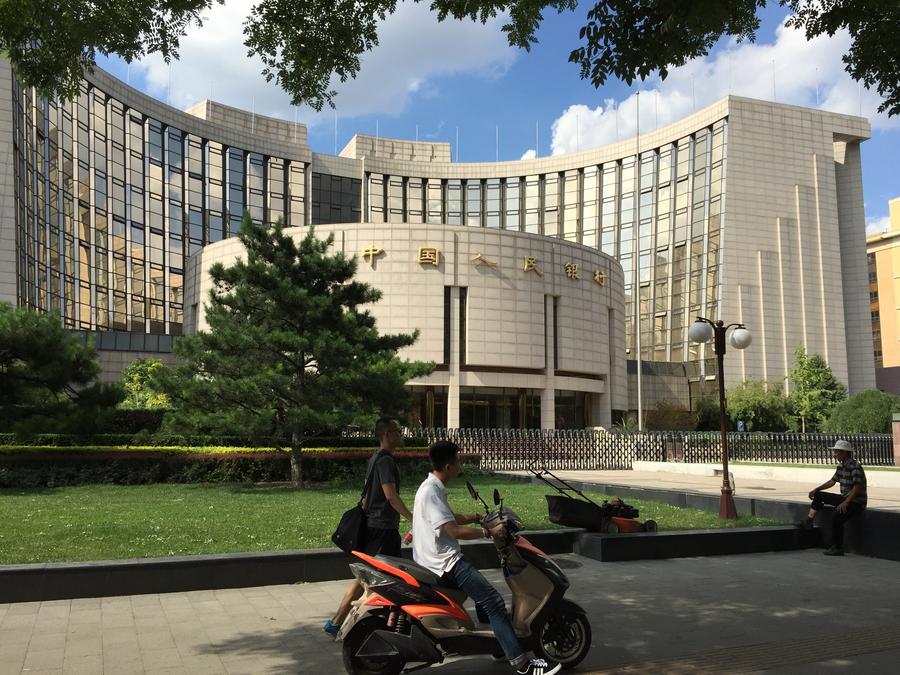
x=433 y=548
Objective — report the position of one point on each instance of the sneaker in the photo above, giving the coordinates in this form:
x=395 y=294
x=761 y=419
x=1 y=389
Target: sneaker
x=331 y=628
x=834 y=550
x=539 y=667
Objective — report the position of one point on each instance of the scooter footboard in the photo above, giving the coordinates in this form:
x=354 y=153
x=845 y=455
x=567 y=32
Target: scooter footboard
x=415 y=647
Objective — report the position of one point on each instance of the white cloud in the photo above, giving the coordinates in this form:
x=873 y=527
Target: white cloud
x=808 y=73
x=414 y=49
x=876 y=225
x=529 y=154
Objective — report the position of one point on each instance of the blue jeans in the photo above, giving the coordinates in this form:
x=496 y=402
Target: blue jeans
x=468 y=579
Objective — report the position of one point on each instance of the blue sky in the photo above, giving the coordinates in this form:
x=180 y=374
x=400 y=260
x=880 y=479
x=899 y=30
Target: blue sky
x=462 y=76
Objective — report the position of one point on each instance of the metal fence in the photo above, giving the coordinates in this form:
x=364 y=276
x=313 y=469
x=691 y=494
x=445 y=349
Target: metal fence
x=519 y=449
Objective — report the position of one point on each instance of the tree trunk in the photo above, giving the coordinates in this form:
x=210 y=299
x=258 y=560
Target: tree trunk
x=296 y=460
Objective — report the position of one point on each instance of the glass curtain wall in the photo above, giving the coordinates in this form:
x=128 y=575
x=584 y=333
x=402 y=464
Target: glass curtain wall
x=110 y=202
x=659 y=215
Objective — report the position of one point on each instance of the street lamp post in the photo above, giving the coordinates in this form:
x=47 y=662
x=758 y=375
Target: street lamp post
x=702 y=330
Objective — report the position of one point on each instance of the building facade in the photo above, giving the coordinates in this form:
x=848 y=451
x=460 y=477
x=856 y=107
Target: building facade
x=883 y=257
x=526 y=331
x=745 y=210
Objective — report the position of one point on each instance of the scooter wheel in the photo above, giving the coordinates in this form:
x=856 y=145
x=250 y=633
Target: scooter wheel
x=363 y=665
x=650 y=526
x=566 y=637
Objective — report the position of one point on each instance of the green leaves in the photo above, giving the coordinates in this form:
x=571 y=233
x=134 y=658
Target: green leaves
x=290 y=351
x=760 y=405
x=868 y=412
x=140 y=392
x=48 y=375
x=815 y=389
x=306 y=46
x=52 y=42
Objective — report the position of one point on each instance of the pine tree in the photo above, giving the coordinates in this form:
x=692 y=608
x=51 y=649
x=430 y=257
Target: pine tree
x=290 y=353
x=48 y=375
x=815 y=389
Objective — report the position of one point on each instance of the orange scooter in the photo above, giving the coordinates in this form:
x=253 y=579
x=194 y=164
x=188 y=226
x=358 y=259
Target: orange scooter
x=406 y=615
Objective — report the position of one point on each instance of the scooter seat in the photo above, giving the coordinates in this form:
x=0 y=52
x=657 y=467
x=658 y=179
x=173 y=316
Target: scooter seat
x=414 y=570
x=455 y=594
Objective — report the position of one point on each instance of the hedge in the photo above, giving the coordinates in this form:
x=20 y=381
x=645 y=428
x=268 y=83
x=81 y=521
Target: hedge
x=49 y=467
x=170 y=440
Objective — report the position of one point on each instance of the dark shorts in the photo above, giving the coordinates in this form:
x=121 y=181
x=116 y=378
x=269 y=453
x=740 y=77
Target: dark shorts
x=386 y=542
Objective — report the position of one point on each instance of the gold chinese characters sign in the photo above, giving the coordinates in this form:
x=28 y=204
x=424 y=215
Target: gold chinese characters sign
x=369 y=253
x=431 y=255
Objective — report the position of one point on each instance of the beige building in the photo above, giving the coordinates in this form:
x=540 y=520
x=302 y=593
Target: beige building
x=883 y=253
x=526 y=331
x=745 y=210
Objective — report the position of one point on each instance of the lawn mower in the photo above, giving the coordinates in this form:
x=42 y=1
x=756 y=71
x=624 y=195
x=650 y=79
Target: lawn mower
x=612 y=516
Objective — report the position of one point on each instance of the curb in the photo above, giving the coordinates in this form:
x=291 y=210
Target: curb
x=690 y=543
x=103 y=578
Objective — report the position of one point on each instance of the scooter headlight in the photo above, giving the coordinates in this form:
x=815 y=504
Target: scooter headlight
x=368 y=576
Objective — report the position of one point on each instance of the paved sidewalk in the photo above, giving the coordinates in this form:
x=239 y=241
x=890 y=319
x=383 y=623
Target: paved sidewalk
x=797 y=612
x=887 y=499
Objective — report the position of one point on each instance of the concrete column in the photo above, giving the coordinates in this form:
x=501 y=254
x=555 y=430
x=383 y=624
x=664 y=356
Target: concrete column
x=548 y=395
x=601 y=412
x=453 y=366
x=895 y=430
x=8 y=253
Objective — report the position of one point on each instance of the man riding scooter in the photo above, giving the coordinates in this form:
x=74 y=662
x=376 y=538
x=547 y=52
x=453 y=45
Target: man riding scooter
x=436 y=535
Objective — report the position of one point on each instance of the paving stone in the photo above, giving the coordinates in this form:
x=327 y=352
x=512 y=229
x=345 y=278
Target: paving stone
x=161 y=658
x=155 y=640
x=43 y=659
x=84 y=645
x=90 y=664
x=47 y=641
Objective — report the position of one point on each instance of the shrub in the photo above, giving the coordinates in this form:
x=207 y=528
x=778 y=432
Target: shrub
x=668 y=416
x=708 y=414
x=760 y=405
x=869 y=411
x=145 y=439
x=30 y=467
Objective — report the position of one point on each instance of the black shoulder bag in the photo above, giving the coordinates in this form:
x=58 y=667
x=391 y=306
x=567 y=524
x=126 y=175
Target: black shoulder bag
x=351 y=530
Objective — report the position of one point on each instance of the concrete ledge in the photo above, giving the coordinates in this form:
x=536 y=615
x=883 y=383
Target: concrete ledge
x=761 y=471
x=690 y=543
x=60 y=581
x=876 y=533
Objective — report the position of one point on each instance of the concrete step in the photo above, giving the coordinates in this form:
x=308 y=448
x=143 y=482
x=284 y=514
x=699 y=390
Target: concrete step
x=692 y=543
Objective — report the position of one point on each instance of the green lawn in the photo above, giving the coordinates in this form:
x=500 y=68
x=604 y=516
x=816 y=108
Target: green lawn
x=102 y=522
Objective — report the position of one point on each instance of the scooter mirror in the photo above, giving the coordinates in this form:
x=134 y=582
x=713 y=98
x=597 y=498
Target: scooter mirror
x=497 y=499
x=472 y=491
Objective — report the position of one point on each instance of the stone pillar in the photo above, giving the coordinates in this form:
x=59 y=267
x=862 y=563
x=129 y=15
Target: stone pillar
x=601 y=412
x=548 y=395
x=453 y=365
x=895 y=431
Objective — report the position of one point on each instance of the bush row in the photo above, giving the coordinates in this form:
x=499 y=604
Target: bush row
x=170 y=440
x=90 y=466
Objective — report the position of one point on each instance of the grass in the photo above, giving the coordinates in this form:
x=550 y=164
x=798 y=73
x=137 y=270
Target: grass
x=867 y=467
x=103 y=522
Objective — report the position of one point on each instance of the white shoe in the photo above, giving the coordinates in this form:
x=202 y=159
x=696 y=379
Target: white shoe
x=539 y=667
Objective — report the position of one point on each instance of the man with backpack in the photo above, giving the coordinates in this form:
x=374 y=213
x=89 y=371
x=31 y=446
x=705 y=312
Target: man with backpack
x=383 y=507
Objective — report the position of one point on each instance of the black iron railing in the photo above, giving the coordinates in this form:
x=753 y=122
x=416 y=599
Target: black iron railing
x=518 y=449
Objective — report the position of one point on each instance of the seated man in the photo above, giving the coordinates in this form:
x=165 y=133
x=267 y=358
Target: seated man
x=849 y=503
x=436 y=534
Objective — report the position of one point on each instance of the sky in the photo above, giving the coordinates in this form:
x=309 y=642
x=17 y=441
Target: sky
x=461 y=83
